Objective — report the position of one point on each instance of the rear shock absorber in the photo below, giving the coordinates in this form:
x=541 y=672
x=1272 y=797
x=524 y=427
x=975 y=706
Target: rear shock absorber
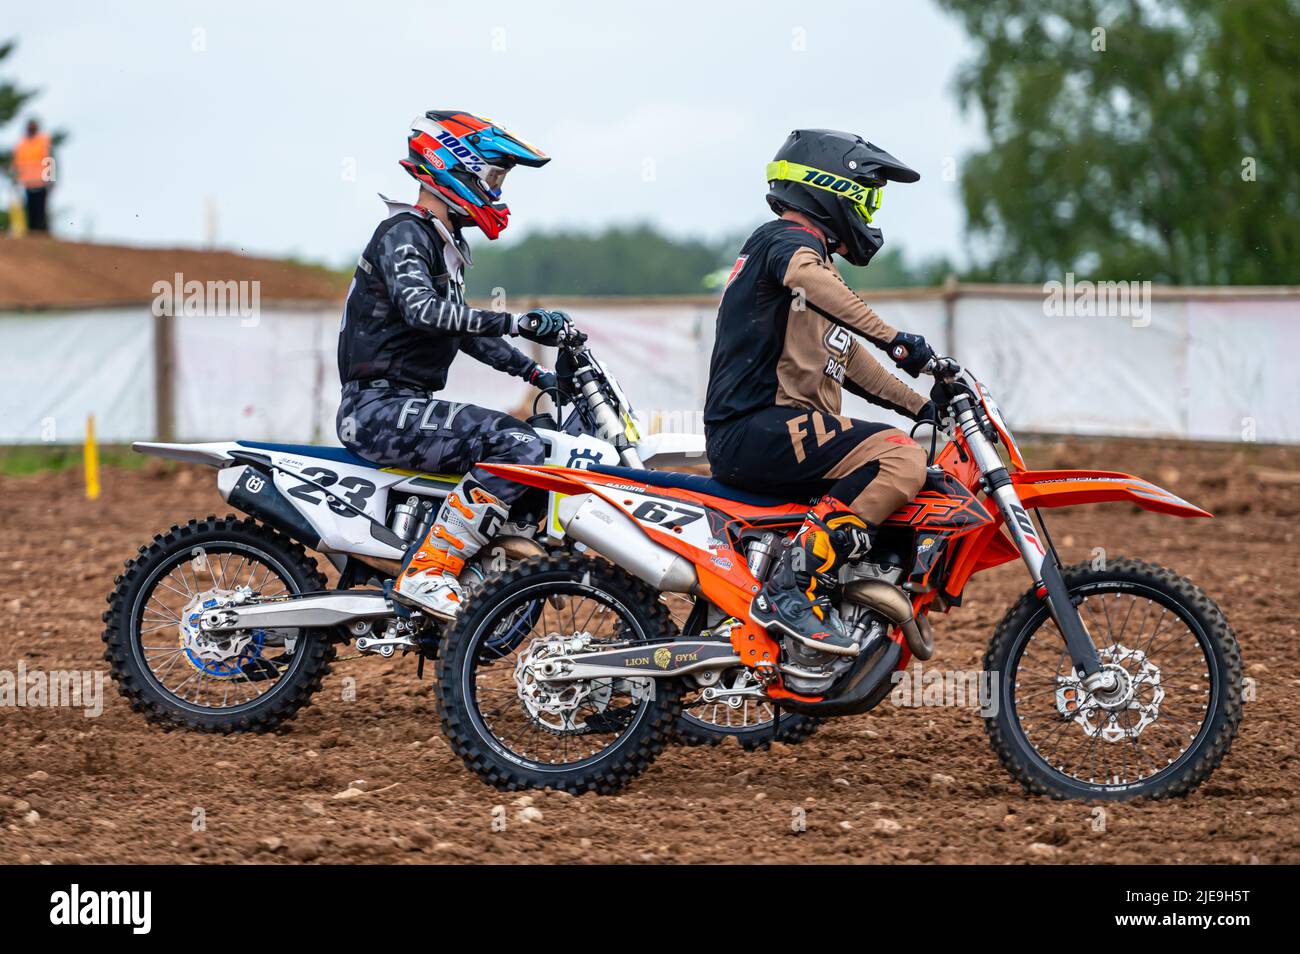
x=412 y=519
x=759 y=553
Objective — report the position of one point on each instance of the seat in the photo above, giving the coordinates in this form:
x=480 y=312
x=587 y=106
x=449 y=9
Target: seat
x=340 y=455
x=696 y=483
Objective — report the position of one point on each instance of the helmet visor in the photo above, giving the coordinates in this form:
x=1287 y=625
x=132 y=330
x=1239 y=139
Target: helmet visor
x=864 y=199
x=494 y=176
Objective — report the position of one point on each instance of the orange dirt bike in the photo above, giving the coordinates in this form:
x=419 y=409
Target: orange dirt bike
x=566 y=671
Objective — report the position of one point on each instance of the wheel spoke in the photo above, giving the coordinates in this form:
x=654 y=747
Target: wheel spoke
x=217 y=672
x=559 y=724
x=1148 y=650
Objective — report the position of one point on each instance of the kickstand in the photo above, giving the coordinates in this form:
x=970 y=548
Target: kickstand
x=776 y=720
x=419 y=666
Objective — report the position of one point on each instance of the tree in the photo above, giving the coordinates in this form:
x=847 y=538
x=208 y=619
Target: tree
x=634 y=260
x=1134 y=139
x=639 y=260
x=12 y=100
x=891 y=268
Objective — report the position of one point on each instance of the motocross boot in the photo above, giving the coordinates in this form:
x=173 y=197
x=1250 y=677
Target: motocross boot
x=798 y=598
x=428 y=579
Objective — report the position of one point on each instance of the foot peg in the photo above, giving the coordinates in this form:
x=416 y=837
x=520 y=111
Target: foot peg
x=386 y=645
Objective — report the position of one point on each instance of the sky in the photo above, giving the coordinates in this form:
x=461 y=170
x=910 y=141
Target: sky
x=281 y=121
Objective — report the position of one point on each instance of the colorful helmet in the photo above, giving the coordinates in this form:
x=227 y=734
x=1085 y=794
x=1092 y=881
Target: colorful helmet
x=835 y=179
x=463 y=159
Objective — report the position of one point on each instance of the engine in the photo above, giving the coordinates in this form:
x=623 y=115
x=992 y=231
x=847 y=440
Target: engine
x=805 y=670
x=808 y=672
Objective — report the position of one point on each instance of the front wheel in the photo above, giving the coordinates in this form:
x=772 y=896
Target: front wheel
x=515 y=730
x=1172 y=715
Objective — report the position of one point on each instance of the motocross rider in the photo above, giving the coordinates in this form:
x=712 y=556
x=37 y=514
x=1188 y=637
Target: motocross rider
x=405 y=321
x=785 y=348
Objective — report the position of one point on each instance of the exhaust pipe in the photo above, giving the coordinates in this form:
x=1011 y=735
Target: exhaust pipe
x=604 y=528
x=892 y=603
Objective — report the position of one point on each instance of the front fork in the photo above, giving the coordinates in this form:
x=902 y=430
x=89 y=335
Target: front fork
x=1040 y=560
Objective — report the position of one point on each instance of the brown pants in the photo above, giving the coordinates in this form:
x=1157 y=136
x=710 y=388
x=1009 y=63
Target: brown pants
x=872 y=468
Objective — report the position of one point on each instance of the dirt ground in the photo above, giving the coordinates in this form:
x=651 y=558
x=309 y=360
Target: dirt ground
x=896 y=785
x=42 y=272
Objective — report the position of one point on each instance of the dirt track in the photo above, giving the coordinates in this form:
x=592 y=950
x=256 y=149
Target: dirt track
x=903 y=785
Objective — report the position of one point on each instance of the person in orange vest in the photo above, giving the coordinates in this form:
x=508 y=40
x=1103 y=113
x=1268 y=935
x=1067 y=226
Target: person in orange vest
x=34 y=169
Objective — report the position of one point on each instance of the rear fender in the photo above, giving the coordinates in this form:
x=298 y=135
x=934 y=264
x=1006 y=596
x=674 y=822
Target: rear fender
x=669 y=450
x=1065 y=488
x=214 y=454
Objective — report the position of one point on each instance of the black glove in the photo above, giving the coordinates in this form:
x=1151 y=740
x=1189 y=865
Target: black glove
x=544 y=380
x=910 y=352
x=544 y=327
x=929 y=413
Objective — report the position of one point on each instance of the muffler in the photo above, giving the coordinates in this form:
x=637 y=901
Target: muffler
x=315 y=611
x=600 y=525
x=892 y=603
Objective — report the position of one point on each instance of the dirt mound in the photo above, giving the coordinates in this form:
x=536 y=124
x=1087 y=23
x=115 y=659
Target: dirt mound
x=38 y=272
x=897 y=785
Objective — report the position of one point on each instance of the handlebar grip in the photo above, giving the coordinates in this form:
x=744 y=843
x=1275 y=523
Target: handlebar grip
x=573 y=337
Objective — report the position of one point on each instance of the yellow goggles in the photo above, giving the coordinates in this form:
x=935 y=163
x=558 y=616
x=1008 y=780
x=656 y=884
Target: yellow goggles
x=864 y=199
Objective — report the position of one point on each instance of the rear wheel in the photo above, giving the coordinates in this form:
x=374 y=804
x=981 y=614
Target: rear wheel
x=177 y=675
x=515 y=730
x=1175 y=709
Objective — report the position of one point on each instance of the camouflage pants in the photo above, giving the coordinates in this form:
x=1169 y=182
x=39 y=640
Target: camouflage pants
x=416 y=430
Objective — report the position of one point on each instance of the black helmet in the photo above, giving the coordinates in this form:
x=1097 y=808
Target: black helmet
x=835 y=179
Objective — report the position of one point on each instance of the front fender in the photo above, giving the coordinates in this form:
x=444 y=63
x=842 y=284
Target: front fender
x=1065 y=488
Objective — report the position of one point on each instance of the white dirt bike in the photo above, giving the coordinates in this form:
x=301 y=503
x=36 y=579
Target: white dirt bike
x=226 y=624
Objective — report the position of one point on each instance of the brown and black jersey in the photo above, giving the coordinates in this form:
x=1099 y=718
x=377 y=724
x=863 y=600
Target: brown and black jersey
x=785 y=334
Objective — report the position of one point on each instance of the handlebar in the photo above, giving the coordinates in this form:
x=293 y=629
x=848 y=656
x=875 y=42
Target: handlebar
x=571 y=336
x=943 y=368
x=571 y=341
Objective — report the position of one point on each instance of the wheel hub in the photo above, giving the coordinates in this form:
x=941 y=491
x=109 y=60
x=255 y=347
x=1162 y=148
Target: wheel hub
x=221 y=655
x=1122 y=712
x=554 y=705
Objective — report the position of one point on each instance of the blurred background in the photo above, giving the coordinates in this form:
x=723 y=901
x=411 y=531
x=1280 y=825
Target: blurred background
x=1068 y=150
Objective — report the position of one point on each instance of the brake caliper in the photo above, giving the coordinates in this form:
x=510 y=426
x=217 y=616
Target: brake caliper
x=221 y=655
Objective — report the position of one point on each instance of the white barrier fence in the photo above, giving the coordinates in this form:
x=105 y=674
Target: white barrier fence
x=1215 y=364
